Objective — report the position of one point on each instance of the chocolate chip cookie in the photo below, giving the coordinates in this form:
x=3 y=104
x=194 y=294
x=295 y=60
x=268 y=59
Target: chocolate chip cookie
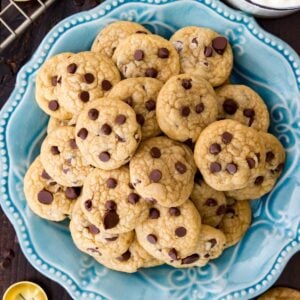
x=266 y=178
x=109 y=37
x=107 y=133
x=62 y=159
x=45 y=196
x=210 y=203
x=110 y=202
x=48 y=83
x=236 y=221
x=86 y=76
x=204 y=52
x=170 y=234
x=229 y=155
x=149 y=55
x=162 y=171
x=185 y=106
x=141 y=94
x=241 y=103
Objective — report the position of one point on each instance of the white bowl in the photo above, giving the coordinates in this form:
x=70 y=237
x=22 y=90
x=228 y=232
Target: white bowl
x=266 y=8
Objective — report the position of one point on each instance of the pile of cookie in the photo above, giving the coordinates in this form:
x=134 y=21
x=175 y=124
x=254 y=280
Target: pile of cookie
x=150 y=151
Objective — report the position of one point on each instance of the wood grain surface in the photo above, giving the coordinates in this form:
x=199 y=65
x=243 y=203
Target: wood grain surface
x=19 y=52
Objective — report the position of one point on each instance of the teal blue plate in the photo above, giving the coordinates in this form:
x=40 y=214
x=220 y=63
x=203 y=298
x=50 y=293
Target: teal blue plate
x=261 y=61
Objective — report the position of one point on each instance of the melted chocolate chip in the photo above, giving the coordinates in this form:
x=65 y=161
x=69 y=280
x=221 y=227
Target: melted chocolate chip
x=93 y=229
x=111 y=239
x=45 y=175
x=231 y=168
x=133 y=198
x=211 y=202
x=45 y=197
x=141 y=32
x=155 y=175
x=213 y=242
x=54 y=150
x=250 y=162
x=190 y=259
x=150 y=105
x=72 y=193
x=138 y=55
x=151 y=238
x=111 y=183
x=186 y=84
x=88 y=205
x=111 y=219
x=110 y=205
x=214 y=149
x=54 y=80
x=82 y=133
x=180 y=231
x=221 y=210
x=174 y=211
x=279 y=167
x=199 y=108
x=140 y=119
x=163 y=53
x=84 y=96
x=93 y=114
x=106 y=85
x=249 y=113
x=120 y=119
x=73 y=144
x=180 y=167
x=173 y=254
x=219 y=44
x=259 y=180
x=72 y=68
x=151 y=72
x=215 y=167
x=53 y=105
x=195 y=41
x=208 y=51
x=185 y=111
x=125 y=256
x=269 y=156
x=154 y=213
x=106 y=129
x=89 y=78
x=226 y=137
x=128 y=100
x=155 y=152
x=230 y=106
x=104 y=156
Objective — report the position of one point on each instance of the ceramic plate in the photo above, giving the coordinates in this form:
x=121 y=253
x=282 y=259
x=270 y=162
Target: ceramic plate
x=261 y=61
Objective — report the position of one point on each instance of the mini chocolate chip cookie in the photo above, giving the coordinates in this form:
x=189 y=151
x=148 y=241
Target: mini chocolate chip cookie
x=229 y=155
x=210 y=246
x=107 y=133
x=280 y=293
x=162 y=171
x=86 y=76
x=204 y=52
x=48 y=83
x=170 y=234
x=236 y=221
x=185 y=106
x=89 y=239
x=45 y=197
x=210 y=203
x=56 y=123
x=110 y=202
x=241 y=103
x=266 y=178
x=140 y=94
x=109 y=37
x=62 y=159
x=150 y=55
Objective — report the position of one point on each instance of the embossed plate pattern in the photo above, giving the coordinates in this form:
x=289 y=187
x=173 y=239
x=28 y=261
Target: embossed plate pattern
x=261 y=61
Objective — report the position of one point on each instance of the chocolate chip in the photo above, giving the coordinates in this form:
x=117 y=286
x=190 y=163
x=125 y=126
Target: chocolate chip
x=155 y=152
x=72 y=143
x=54 y=80
x=215 y=167
x=226 y=137
x=213 y=242
x=259 y=180
x=120 y=119
x=53 y=105
x=110 y=205
x=249 y=113
x=111 y=183
x=258 y=156
x=151 y=72
x=230 y=212
x=150 y=200
x=154 y=213
x=150 y=105
x=88 y=205
x=230 y=106
x=207 y=255
x=208 y=51
x=106 y=85
x=174 y=211
x=190 y=259
x=72 y=192
x=141 y=32
x=82 y=133
x=128 y=100
x=173 y=254
x=93 y=114
x=180 y=231
x=106 y=129
x=84 y=96
x=221 y=210
x=139 y=55
x=89 y=78
x=211 y=202
x=199 y=108
x=45 y=175
x=111 y=219
x=250 y=162
x=133 y=198
x=185 y=111
x=163 y=53
x=219 y=44
x=195 y=41
x=214 y=149
x=125 y=256
x=120 y=139
x=269 y=156
x=54 y=150
x=140 y=119
x=279 y=167
x=72 y=68
x=186 y=84
x=45 y=197
x=93 y=229
x=104 y=156
x=114 y=238
x=180 y=167
x=151 y=238
x=155 y=175
x=231 y=168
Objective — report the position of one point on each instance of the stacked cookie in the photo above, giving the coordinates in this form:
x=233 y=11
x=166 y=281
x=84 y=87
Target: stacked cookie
x=150 y=151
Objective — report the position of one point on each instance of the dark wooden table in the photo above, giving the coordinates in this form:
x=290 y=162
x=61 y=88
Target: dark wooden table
x=12 y=59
